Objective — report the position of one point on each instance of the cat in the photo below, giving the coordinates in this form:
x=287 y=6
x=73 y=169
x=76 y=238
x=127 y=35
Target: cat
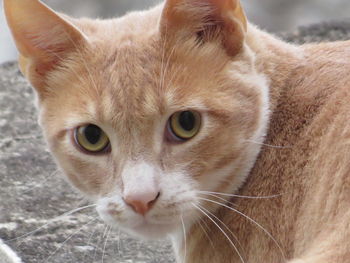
x=188 y=121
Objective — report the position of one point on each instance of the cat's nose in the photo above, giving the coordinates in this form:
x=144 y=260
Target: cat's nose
x=143 y=202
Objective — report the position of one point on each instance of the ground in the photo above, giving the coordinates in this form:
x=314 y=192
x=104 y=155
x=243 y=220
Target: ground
x=33 y=195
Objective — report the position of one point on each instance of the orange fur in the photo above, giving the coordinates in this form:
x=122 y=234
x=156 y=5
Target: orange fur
x=129 y=75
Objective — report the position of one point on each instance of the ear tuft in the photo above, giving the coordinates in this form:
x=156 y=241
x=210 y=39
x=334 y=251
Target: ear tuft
x=208 y=20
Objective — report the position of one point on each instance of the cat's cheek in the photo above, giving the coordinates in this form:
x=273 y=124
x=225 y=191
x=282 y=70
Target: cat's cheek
x=88 y=179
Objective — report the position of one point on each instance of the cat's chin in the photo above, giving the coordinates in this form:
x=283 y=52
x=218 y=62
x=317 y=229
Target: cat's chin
x=151 y=231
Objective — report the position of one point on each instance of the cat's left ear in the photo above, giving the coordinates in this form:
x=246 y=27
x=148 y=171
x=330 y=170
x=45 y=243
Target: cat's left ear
x=42 y=37
x=208 y=20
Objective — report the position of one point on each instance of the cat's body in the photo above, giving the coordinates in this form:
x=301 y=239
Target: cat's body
x=310 y=169
x=234 y=83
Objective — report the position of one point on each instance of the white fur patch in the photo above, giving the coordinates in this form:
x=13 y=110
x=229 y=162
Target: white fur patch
x=140 y=180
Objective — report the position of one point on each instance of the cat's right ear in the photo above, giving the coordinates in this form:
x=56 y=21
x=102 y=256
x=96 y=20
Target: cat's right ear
x=42 y=37
x=220 y=21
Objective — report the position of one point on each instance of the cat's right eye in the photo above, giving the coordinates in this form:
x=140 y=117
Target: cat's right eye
x=91 y=139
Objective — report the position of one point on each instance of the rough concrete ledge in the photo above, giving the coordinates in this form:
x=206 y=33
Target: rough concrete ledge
x=33 y=195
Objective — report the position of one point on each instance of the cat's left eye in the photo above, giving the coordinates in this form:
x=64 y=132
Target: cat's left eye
x=91 y=139
x=183 y=126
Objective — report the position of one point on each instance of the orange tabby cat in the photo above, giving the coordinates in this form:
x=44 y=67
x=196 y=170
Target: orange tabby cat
x=159 y=117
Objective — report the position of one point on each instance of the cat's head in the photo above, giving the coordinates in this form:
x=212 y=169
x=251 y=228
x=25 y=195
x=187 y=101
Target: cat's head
x=149 y=113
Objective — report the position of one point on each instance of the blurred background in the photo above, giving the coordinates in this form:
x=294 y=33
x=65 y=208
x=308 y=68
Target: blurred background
x=272 y=15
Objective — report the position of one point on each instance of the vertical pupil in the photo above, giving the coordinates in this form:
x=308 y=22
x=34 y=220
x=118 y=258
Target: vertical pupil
x=187 y=120
x=92 y=134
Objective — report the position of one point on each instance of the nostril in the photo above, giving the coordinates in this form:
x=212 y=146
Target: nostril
x=151 y=203
x=141 y=203
x=158 y=195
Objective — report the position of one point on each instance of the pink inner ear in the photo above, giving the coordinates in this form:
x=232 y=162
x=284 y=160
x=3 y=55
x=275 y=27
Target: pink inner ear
x=51 y=39
x=46 y=48
x=42 y=36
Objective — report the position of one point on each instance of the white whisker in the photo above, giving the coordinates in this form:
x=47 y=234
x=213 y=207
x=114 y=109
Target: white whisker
x=166 y=67
x=119 y=245
x=222 y=231
x=84 y=62
x=220 y=198
x=251 y=220
x=43 y=182
x=52 y=221
x=89 y=240
x=205 y=232
x=173 y=76
x=161 y=86
x=98 y=242
x=105 y=232
x=239 y=196
x=22 y=138
x=105 y=244
x=61 y=59
x=185 y=240
x=6 y=155
x=269 y=145
x=228 y=229
x=69 y=238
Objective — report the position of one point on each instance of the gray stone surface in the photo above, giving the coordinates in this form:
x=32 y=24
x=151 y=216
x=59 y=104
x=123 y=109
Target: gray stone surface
x=33 y=195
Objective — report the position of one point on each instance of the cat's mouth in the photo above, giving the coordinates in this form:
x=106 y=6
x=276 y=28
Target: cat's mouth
x=147 y=226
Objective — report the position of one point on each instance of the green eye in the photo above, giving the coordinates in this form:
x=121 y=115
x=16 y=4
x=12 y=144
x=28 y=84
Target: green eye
x=91 y=138
x=185 y=125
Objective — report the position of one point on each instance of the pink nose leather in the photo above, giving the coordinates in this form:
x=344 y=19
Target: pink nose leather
x=142 y=203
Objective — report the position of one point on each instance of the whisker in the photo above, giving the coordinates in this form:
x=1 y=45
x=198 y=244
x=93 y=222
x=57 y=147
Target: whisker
x=166 y=67
x=251 y=220
x=162 y=63
x=84 y=62
x=269 y=145
x=105 y=232
x=105 y=244
x=21 y=138
x=10 y=155
x=119 y=245
x=27 y=137
x=98 y=242
x=240 y=196
x=205 y=232
x=43 y=182
x=69 y=238
x=218 y=219
x=222 y=231
x=173 y=77
x=89 y=241
x=52 y=221
x=61 y=59
x=220 y=198
x=185 y=239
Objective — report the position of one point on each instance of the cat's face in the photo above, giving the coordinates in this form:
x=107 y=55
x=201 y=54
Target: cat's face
x=143 y=119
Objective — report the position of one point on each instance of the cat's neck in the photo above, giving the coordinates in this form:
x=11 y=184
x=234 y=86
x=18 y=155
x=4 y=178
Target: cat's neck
x=276 y=59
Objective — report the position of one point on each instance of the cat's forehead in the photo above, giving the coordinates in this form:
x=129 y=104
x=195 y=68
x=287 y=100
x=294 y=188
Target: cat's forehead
x=133 y=76
x=123 y=84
